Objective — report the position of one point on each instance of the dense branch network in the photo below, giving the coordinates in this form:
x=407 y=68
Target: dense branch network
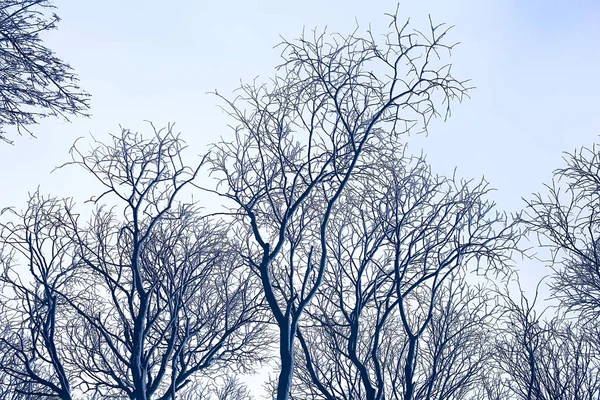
x=341 y=260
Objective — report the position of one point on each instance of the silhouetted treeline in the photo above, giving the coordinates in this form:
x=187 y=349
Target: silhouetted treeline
x=337 y=258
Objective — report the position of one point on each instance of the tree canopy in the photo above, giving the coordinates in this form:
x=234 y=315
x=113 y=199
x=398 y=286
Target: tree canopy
x=339 y=261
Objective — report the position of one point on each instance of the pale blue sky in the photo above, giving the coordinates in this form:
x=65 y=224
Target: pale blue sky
x=535 y=64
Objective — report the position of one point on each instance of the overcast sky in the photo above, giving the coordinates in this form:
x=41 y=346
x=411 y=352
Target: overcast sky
x=535 y=64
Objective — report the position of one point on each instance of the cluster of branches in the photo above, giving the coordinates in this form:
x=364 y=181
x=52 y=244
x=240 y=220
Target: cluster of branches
x=553 y=354
x=374 y=277
x=557 y=357
x=395 y=316
x=135 y=302
x=34 y=82
x=537 y=358
x=299 y=141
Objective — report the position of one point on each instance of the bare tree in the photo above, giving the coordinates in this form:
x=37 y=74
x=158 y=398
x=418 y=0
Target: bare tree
x=299 y=139
x=567 y=221
x=394 y=317
x=34 y=82
x=227 y=387
x=32 y=356
x=557 y=358
x=144 y=297
x=541 y=358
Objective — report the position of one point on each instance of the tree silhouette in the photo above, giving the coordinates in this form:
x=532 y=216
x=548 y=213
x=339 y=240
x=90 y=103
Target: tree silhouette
x=299 y=140
x=137 y=301
x=395 y=317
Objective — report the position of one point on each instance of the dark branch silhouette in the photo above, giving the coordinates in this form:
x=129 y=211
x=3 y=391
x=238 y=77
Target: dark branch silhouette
x=299 y=139
x=34 y=82
x=137 y=302
x=395 y=317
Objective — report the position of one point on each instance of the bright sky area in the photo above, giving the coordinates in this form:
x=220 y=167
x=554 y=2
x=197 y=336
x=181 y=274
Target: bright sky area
x=535 y=64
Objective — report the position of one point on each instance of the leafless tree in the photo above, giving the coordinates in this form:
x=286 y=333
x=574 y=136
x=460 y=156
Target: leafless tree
x=31 y=306
x=298 y=140
x=541 y=358
x=394 y=317
x=35 y=83
x=556 y=357
x=567 y=221
x=138 y=301
x=227 y=387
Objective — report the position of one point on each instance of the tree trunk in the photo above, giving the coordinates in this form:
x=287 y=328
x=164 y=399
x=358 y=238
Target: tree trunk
x=409 y=368
x=286 y=353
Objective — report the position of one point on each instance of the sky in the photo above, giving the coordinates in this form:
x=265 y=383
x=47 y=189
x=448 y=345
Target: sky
x=534 y=64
